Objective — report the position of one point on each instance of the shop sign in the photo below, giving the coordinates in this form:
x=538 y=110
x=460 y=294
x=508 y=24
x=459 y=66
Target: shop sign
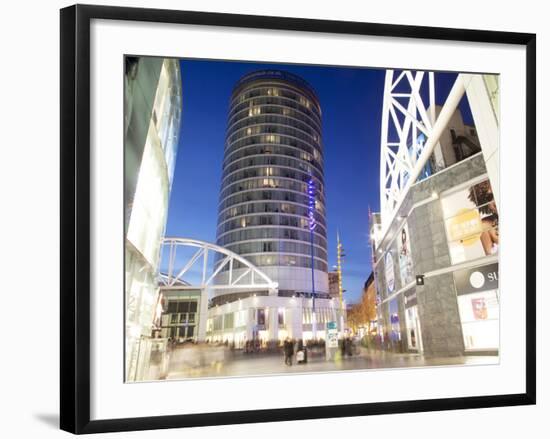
x=473 y=280
x=332 y=335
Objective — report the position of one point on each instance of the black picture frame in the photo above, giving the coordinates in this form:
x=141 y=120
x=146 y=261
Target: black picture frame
x=75 y=217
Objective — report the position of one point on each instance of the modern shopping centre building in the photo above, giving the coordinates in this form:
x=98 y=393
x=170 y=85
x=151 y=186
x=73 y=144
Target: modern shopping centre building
x=153 y=105
x=435 y=243
x=272 y=193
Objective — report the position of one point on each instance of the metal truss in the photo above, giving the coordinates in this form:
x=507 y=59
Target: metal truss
x=410 y=132
x=248 y=276
x=405 y=126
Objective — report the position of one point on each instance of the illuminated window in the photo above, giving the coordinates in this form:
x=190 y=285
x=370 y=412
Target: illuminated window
x=305 y=102
x=254 y=111
x=273 y=92
x=271 y=138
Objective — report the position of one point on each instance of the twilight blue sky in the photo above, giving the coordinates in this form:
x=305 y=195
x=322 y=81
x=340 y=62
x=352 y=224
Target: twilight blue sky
x=351 y=101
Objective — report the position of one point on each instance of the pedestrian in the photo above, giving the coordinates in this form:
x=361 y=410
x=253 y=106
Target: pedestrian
x=288 y=347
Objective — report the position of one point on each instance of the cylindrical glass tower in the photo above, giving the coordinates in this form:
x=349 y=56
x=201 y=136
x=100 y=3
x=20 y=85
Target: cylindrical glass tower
x=273 y=149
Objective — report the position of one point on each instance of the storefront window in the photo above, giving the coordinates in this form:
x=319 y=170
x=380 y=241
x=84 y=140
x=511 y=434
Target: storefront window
x=479 y=314
x=471 y=222
x=240 y=318
x=281 y=316
x=395 y=330
x=261 y=317
x=414 y=337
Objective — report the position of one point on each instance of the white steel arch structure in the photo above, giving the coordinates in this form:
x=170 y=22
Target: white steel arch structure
x=410 y=132
x=404 y=118
x=248 y=277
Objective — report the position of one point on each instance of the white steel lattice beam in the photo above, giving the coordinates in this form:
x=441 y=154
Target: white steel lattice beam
x=410 y=132
x=258 y=279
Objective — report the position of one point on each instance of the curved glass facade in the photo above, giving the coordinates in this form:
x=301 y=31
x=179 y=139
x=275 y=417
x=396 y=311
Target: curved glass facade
x=273 y=148
x=153 y=98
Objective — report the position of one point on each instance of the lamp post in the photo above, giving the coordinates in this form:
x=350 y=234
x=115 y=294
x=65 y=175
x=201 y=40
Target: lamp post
x=339 y=256
x=312 y=225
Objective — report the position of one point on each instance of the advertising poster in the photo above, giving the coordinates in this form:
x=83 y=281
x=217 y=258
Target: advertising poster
x=405 y=257
x=471 y=221
x=390 y=273
x=479 y=308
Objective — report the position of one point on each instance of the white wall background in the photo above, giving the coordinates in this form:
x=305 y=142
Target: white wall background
x=29 y=235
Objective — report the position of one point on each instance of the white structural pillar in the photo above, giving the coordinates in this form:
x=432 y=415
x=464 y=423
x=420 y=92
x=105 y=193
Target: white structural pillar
x=273 y=315
x=486 y=119
x=250 y=323
x=203 y=315
x=295 y=325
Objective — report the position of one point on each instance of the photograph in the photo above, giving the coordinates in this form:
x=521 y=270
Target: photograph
x=288 y=218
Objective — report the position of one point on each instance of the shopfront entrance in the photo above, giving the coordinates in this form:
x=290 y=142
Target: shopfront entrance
x=412 y=322
x=395 y=339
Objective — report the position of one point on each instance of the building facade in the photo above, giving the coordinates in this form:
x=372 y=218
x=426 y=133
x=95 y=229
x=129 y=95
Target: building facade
x=272 y=189
x=436 y=268
x=153 y=100
x=184 y=314
x=436 y=241
x=458 y=141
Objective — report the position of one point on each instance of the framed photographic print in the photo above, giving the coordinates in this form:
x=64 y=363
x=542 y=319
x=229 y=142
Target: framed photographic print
x=269 y=218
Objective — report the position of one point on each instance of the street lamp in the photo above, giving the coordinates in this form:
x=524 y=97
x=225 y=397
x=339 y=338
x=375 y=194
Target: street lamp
x=339 y=256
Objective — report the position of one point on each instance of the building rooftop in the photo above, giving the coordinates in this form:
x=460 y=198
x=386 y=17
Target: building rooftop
x=276 y=74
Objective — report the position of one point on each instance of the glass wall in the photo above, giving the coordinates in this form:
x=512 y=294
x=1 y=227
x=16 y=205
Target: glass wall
x=153 y=95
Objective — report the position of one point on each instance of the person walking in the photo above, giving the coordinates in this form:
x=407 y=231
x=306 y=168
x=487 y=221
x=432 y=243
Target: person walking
x=289 y=351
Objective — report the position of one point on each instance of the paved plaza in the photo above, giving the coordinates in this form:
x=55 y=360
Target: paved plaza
x=201 y=362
